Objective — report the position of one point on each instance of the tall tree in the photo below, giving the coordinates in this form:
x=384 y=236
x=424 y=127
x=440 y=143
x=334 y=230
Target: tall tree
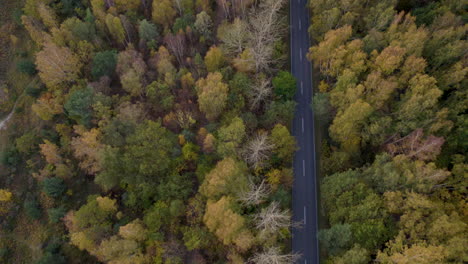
x=229 y=177
x=214 y=59
x=212 y=95
x=232 y=232
x=163 y=13
x=57 y=65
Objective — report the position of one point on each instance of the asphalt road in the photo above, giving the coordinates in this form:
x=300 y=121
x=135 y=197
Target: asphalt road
x=304 y=194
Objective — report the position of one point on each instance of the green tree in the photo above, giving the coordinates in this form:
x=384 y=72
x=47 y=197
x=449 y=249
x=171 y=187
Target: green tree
x=203 y=25
x=104 y=64
x=32 y=208
x=284 y=143
x=140 y=159
x=346 y=127
x=230 y=137
x=55 y=214
x=356 y=255
x=284 y=85
x=54 y=187
x=79 y=105
x=181 y=23
x=336 y=239
x=147 y=30
x=196 y=238
x=160 y=96
x=278 y=112
x=157 y=216
x=27 y=143
x=50 y=258
x=26 y=66
x=91 y=222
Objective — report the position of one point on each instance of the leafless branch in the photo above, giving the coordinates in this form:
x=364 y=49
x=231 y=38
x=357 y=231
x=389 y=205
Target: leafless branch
x=257 y=150
x=273 y=255
x=256 y=194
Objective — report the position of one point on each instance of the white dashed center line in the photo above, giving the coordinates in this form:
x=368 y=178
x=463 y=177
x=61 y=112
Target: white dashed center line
x=300 y=53
x=302 y=87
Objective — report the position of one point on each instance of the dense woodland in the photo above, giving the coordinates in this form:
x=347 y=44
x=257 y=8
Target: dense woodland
x=146 y=132
x=393 y=96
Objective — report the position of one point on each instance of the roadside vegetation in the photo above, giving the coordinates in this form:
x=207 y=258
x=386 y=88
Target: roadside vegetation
x=145 y=132
x=393 y=94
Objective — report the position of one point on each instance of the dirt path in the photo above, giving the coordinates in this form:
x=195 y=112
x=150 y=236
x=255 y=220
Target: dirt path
x=4 y=122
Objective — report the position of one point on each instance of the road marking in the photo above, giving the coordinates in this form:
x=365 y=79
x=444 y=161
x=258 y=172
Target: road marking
x=302 y=87
x=305 y=216
x=300 y=25
x=302 y=125
x=300 y=53
x=305 y=261
x=303 y=168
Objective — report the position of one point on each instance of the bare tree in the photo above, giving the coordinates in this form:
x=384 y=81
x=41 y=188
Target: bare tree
x=267 y=26
x=225 y=8
x=273 y=255
x=178 y=5
x=415 y=145
x=234 y=36
x=256 y=194
x=257 y=150
x=177 y=45
x=130 y=33
x=272 y=219
x=261 y=89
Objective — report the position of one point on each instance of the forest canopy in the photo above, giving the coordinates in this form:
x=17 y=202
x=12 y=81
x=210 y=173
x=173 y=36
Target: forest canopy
x=156 y=132
x=393 y=95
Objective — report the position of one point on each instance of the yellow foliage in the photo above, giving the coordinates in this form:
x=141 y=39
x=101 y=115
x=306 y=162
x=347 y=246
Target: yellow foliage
x=227 y=225
x=5 y=195
x=107 y=204
x=50 y=151
x=81 y=240
x=133 y=230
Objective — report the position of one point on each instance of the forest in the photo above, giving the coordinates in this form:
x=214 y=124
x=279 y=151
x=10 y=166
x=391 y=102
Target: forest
x=392 y=99
x=145 y=131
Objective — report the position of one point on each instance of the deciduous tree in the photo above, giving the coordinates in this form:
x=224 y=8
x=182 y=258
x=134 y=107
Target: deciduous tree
x=87 y=148
x=57 y=65
x=229 y=177
x=212 y=95
x=163 y=13
x=230 y=137
x=232 y=232
x=284 y=142
x=214 y=59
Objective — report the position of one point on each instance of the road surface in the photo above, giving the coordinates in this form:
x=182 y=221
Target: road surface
x=304 y=194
